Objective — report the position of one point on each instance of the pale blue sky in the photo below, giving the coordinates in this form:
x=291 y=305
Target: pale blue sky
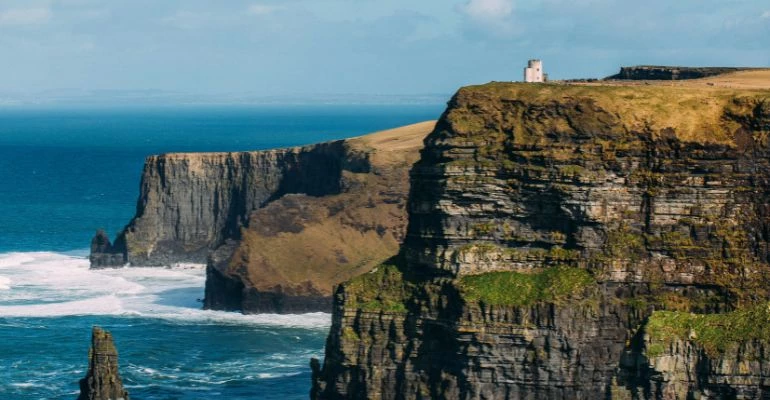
x=315 y=47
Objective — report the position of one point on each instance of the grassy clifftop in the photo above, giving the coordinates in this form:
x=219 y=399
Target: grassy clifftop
x=303 y=245
x=691 y=113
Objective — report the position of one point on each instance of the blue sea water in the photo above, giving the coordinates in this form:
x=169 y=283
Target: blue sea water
x=66 y=172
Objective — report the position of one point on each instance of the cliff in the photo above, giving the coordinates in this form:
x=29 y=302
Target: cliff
x=102 y=381
x=572 y=241
x=656 y=72
x=278 y=228
x=190 y=204
x=295 y=249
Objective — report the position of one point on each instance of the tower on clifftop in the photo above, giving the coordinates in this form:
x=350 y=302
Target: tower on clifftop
x=534 y=71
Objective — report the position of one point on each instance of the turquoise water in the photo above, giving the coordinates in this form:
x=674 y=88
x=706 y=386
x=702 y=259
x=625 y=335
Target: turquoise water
x=65 y=173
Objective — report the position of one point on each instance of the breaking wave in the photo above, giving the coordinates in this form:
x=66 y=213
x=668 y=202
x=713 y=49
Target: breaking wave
x=45 y=284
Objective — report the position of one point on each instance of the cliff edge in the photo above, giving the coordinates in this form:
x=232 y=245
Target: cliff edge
x=278 y=228
x=572 y=241
x=659 y=72
x=297 y=248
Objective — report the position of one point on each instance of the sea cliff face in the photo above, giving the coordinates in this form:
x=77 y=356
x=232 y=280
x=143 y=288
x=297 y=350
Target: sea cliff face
x=582 y=241
x=295 y=249
x=189 y=204
x=278 y=228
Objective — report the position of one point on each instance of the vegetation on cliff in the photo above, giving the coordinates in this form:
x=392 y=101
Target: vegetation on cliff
x=301 y=246
x=531 y=197
x=716 y=333
x=510 y=288
x=541 y=113
x=381 y=289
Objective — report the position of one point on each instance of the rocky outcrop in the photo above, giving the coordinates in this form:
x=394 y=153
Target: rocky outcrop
x=189 y=204
x=102 y=381
x=668 y=73
x=678 y=368
x=550 y=228
x=296 y=248
x=104 y=254
x=278 y=228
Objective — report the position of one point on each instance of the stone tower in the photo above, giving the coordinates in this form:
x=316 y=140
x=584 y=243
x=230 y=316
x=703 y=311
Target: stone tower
x=534 y=71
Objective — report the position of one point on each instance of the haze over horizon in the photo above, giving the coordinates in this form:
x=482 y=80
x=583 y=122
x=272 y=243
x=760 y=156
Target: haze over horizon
x=223 y=51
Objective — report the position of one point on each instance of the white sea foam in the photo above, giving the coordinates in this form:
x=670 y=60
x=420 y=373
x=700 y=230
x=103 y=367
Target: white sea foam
x=5 y=283
x=53 y=285
x=268 y=375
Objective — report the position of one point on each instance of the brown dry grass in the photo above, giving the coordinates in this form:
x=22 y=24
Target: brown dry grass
x=395 y=145
x=694 y=110
x=299 y=241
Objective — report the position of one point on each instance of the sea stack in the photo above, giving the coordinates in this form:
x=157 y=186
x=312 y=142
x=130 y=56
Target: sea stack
x=102 y=382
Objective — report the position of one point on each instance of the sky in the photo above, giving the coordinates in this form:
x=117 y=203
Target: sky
x=358 y=47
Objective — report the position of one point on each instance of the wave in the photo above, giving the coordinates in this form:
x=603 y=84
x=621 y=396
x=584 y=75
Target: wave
x=46 y=284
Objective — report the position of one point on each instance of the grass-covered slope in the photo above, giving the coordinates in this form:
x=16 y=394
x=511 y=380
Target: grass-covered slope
x=301 y=245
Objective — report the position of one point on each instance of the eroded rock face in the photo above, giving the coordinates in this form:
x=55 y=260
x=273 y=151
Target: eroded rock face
x=278 y=229
x=102 y=381
x=682 y=370
x=660 y=194
x=653 y=72
x=104 y=254
x=189 y=204
x=295 y=249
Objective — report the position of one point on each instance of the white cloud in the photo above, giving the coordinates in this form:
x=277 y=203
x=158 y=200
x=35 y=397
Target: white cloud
x=766 y=15
x=25 y=16
x=262 y=9
x=488 y=9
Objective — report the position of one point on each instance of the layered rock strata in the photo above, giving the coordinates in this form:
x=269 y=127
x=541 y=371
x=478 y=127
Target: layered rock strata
x=279 y=228
x=189 y=204
x=551 y=229
x=298 y=247
x=102 y=381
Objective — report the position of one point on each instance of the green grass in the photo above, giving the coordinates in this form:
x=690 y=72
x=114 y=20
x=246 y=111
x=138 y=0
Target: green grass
x=382 y=289
x=517 y=289
x=714 y=332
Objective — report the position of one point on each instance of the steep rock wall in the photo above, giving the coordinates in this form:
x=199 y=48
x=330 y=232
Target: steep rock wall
x=295 y=249
x=189 y=204
x=548 y=225
x=279 y=228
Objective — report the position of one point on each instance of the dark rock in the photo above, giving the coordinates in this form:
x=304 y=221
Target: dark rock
x=670 y=73
x=104 y=254
x=190 y=204
x=521 y=179
x=295 y=249
x=102 y=381
x=278 y=229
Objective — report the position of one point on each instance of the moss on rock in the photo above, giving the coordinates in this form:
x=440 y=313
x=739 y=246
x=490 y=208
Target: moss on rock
x=510 y=288
x=382 y=289
x=716 y=333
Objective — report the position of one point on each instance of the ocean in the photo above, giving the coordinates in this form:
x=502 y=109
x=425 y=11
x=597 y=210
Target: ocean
x=65 y=173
